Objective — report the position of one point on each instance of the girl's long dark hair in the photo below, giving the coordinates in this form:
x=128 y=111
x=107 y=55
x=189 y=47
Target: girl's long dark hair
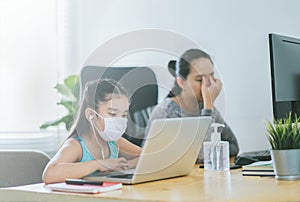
x=184 y=67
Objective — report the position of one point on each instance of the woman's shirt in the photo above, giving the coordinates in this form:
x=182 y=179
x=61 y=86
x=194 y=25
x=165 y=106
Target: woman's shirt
x=170 y=109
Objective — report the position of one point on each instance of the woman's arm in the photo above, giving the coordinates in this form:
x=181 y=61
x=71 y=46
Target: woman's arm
x=227 y=134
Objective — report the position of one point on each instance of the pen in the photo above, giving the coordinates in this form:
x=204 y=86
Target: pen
x=82 y=182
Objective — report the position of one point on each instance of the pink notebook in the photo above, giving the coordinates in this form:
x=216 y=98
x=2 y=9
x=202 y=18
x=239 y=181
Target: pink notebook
x=63 y=187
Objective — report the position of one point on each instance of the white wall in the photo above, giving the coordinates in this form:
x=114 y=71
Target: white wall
x=234 y=32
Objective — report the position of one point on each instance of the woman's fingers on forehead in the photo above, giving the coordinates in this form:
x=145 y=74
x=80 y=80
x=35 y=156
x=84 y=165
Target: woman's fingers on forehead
x=212 y=79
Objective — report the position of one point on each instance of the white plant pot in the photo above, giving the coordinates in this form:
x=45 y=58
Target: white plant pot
x=286 y=164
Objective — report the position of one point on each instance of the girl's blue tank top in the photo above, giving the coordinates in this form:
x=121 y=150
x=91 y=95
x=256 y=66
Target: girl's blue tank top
x=86 y=155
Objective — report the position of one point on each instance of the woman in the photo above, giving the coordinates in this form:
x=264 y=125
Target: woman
x=95 y=143
x=194 y=93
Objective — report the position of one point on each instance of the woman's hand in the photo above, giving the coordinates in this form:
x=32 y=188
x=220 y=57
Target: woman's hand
x=107 y=165
x=210 y=88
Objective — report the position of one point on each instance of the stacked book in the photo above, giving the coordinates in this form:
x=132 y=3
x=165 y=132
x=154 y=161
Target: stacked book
x=260 y=168
x=85 y=188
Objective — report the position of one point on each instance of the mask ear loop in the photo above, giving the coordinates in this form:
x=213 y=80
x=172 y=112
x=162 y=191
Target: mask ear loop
x=104 y=124
x=102 y=151
x=93 y=127
x=94 y=132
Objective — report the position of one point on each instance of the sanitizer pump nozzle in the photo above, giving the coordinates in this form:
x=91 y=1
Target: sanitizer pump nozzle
x=216 y=152
x=216 y=135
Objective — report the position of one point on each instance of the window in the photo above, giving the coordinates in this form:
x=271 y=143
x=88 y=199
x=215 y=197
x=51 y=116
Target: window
x=28 y=64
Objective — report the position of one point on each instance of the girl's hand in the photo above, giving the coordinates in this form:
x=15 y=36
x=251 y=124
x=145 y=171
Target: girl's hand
x=210 y=88
x=107 y=165
x=132 y=163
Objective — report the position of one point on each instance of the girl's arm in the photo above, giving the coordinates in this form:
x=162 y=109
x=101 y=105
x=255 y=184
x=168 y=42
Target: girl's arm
x=128 y=150
x=65 y=164
x=133 y=162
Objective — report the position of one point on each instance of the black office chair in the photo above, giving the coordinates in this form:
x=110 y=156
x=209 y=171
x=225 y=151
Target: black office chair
x=141 y=84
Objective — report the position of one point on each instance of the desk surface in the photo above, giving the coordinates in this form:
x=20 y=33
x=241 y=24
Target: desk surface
x=198 y=186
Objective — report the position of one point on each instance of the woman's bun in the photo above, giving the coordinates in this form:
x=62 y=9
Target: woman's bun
x=172 y=67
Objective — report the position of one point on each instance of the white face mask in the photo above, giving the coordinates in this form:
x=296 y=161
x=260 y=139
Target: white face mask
x=113 y=128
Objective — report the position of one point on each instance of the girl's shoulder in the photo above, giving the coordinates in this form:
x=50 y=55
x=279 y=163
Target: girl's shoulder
x=71 y=149
x=72 y=142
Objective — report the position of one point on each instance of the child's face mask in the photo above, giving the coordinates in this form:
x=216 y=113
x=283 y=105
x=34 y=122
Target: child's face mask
x=114 y=128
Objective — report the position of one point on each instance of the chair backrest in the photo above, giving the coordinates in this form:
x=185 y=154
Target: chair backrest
x=141 y=84
x=21 y=167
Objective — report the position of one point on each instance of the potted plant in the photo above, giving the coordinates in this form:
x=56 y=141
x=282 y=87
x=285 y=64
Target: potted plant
x=69 y=98
x=284 y=138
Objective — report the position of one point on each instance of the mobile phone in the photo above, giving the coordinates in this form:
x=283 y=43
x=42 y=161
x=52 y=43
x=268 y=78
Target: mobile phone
x=234 y=166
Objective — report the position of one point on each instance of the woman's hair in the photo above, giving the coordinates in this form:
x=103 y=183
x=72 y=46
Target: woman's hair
x=95 y=92
x=182 y=67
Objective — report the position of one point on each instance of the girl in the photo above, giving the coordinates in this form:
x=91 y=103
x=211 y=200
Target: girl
x=194 y=93
x=95 y=143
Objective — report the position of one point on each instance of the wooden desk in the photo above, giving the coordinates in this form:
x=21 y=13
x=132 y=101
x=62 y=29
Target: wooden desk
x=198 y=186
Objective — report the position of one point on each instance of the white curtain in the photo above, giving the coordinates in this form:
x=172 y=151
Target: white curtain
x=29 y=66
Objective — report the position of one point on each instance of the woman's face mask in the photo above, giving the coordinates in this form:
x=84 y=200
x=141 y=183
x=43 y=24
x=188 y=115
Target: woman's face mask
x=114 y=128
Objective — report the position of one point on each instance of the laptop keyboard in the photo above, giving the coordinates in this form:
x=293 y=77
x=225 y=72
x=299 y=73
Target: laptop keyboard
x=122 y=176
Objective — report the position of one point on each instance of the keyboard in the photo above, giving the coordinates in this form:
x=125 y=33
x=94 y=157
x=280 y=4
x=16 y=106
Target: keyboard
x=123 y=176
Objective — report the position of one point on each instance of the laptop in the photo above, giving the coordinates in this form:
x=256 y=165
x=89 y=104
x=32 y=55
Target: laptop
x=170 y=150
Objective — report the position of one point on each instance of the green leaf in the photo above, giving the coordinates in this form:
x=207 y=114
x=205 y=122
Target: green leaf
x=283 y=133
x=69 y=124
x=70 y=95
x=63 y=90
x=53 y=123
x=68 y=120
x=72 y=83
x=70 y=106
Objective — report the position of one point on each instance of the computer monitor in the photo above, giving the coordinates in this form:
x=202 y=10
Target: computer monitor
x=285 y=74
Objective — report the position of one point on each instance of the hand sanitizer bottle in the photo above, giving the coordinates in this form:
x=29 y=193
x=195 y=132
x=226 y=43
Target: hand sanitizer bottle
x=216 y=152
